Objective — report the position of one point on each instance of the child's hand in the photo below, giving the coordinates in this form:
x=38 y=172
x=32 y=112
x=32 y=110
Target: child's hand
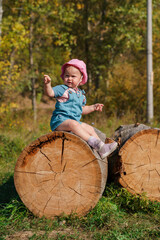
x=98 y=107
x=47 y=79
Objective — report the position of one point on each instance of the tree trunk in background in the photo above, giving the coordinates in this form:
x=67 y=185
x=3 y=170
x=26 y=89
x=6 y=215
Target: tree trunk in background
x=86 y=43
x=1 y=14
x=13 y=52
x=136 y=165
x=59 y=173
x=33 y=80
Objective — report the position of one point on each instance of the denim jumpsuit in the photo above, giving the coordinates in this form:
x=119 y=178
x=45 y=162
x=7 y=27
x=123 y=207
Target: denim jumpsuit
x=69 y=103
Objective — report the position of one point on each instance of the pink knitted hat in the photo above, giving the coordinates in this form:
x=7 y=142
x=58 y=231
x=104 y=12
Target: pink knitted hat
x=78 y=64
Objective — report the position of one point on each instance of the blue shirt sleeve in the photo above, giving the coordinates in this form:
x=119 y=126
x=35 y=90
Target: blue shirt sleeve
x=59 y=90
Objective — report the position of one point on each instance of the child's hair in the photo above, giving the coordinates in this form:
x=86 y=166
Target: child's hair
x=80 y=65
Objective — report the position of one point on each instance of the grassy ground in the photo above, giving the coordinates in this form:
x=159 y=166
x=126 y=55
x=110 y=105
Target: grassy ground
x=118 y=215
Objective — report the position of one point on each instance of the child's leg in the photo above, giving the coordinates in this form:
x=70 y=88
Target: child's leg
x=88 y=128
x=95 y=142
x=87 y=133
x=75 y=127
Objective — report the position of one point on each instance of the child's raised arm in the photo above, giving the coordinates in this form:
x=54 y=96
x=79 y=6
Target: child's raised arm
x=47 y=86
x=92 y=108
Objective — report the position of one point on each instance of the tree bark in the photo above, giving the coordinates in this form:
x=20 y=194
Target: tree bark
x=59 y=173
x=136 y=164
x=1 y=14
x=33 y=80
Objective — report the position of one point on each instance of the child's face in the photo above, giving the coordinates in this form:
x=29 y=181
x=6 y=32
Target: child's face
x=72 y=77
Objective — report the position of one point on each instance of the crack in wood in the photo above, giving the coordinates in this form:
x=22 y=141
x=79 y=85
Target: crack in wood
x=71 y=189
x=141 y=186
x=46 y=204
x=55 y=176
x=141 y=178
x=64 y=167
x=45 y=156
x=142 y=189
x=58 y=206
x=129 y=173
x=80 y=186
x=46 y=180
x=133 y=140
x=63 y=139
x=54 y=187
x=62 y=153
x=38 y=211
x=149 y=158
x=157 y=172
x=140 y=147
x=132 y=189
x=100 y=159
x=140 y=165
x=157 y=138
x=149 y=175
x=83 y=206
x=63 y=184
x=75 y=191
x=94 y=192
x=30 y=172
x=41 y=189
x=127 y=185
x=51 y=168
x=25 y=194
x=128 y=163
x=89 y=162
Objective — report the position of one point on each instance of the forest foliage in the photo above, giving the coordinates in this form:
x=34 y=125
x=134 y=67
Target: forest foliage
x=38 y=36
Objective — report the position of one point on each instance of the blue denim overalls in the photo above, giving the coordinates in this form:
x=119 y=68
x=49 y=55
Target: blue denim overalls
x=69 y=103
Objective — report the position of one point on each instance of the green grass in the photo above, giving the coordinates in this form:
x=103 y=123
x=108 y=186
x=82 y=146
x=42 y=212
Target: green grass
x=118 y=215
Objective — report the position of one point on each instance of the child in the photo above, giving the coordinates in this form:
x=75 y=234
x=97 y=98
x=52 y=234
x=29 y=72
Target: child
x=70 y=105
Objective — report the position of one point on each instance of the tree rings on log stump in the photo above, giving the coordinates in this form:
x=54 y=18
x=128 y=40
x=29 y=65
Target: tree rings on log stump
x=60 y=174
x=140 y=163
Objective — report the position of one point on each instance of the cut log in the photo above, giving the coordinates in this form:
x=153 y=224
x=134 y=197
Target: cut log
x=60 y=174
x=136 y=165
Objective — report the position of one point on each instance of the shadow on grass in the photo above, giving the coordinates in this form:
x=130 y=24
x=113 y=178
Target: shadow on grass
x=8 y=191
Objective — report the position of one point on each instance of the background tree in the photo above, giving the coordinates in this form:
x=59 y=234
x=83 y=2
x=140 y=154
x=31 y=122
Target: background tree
x=1 y=14
x=109 y=36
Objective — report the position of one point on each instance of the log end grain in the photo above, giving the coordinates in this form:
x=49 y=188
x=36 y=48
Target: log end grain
x=59 y=174
x=140 y=164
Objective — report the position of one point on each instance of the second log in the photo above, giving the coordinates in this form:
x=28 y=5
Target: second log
x=136 y=166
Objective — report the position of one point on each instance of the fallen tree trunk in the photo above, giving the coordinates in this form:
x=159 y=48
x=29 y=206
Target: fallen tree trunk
x=136 y=164
x=60 y=174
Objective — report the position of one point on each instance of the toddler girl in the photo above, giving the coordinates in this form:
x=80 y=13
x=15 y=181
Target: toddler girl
x=70 y=105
